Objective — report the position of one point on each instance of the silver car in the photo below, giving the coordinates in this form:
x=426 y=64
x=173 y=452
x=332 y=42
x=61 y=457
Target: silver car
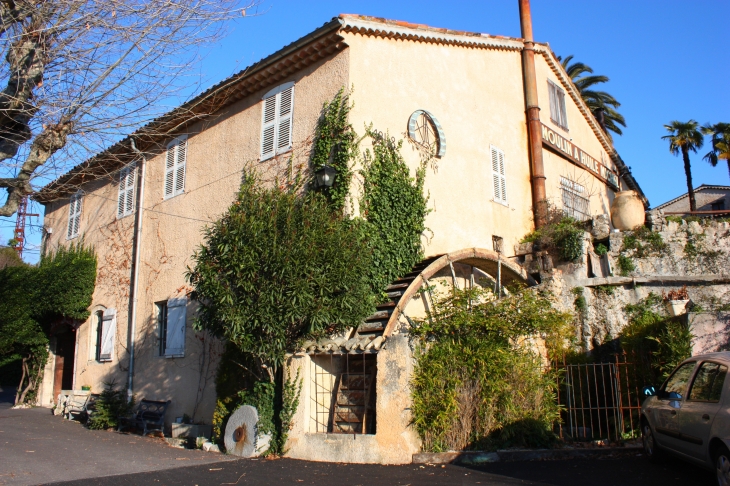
x=689 y=415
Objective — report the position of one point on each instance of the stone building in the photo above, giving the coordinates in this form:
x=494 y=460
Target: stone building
x=708 y=198
x=143 y=203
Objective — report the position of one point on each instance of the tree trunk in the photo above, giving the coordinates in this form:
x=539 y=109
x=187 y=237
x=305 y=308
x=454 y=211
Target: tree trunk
x=20 y=385
x=30 y=381
x=688 y=173
x=728 y=166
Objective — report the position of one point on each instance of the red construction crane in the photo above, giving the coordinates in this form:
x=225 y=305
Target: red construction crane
x=19 y=232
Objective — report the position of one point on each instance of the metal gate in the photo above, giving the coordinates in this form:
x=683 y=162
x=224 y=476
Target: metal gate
x=600 y=401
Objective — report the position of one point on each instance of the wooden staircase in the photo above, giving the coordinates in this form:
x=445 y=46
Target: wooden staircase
x=375 y=324
x=354 y=407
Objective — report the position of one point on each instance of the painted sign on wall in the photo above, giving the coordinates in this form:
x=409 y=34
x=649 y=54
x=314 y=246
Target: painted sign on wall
x=577 y=156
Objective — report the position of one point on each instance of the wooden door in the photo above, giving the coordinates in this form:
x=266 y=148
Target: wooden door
x=64 y=367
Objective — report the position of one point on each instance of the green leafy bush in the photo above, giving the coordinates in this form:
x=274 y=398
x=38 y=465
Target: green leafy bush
x=625 y=265
x=644 y=242
x=31 y=298
x=656 y=338
x=478 y=384
x=110 y=406
x=601 y=249
x=562 y=234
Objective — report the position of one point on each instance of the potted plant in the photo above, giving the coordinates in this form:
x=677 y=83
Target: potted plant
x=676 y=301
x=86 y=387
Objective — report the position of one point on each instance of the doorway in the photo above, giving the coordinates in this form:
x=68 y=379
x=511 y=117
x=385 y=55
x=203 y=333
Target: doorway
x=64 y=367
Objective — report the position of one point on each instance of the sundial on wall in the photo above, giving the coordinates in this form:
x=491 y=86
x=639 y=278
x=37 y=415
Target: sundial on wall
x=426 y=131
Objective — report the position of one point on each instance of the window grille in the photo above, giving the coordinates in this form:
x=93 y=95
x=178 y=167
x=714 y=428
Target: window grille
x=276 y=121
x=575 y=202
x=498 y=176
x=557 y=105
x=74 y=216
x=125 y=205
x=175 y=167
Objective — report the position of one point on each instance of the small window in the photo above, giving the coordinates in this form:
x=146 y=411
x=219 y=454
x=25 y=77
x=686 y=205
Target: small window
x=718 y=205
x=498 y=176
x=575 y=202
x=98 y=323
x=708 y=382
x=676 y=385
x=125 y=204
x=108 y=332
x=557 y=105
x=74 y=216
x=276 y=121
x=171 y=321
x=175 y=167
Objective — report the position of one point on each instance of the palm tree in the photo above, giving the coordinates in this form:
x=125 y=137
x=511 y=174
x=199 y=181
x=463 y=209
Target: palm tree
x=602 y=105
x=720 y=133
x=685 y=137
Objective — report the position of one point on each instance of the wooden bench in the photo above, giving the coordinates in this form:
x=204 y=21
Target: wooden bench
x=150 y=415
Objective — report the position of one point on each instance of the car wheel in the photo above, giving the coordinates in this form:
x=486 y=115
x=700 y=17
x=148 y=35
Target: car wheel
x=651 y=449
x=722 y=467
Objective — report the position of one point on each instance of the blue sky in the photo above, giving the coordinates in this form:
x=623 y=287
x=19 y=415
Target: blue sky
x=665 y=59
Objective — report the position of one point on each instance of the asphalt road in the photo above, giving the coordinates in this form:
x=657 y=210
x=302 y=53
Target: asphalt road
x=624 y=472
x=38 y=448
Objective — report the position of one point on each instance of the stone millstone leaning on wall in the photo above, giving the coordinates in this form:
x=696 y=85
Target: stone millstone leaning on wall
x=656 y=258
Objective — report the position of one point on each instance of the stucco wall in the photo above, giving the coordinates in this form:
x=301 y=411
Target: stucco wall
x=477 y=96
x=218 y=150
x=394 y=442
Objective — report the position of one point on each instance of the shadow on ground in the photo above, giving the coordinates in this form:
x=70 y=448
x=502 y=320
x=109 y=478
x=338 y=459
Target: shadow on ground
x=624 y=471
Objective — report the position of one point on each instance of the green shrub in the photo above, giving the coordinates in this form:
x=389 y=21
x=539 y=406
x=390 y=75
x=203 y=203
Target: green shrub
x=600 y=249
x=477 y=383
x=656 y=338
x=110 y=406
x=562 y=234
x=626 y=265
x=644 y=242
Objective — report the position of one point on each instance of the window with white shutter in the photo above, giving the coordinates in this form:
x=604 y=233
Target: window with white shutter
x=74 y=216
x=171 y=320
x=175 y=167
x=557 y=105
x=276 y=121
x=125 y=202
x=499 y=180
x=108 y=331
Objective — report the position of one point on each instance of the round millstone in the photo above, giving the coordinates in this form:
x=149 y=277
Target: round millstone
x=241 y=432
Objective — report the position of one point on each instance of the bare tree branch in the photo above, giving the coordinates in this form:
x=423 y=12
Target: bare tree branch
x=80 y=74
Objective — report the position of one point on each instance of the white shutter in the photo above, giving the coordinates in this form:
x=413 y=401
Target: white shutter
x=276 y=121
x=498 y=176
x=108 y=330
x=268 y=130
x=175 y=164
x=74 y=216
x=125 y=204
x=176 y=317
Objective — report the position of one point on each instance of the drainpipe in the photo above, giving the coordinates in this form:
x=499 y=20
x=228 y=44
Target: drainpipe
x=135 y=274
x=537 y=171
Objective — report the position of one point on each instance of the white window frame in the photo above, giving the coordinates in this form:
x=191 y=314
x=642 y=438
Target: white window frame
x=274 y=123
x=74 y=216
x=558 y=111
x=175 y=167
x=499 y=175
x=127 y=186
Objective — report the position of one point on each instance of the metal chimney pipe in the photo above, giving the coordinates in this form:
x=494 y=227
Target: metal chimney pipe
x=537 y=171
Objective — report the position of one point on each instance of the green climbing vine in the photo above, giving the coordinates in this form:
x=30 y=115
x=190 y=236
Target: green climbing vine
x=336 y=144
x=394 y=207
